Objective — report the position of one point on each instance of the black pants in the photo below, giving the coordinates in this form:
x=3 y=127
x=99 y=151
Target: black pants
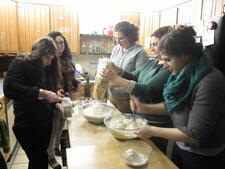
x=34 y=141
x=3 y=164
x=187 y=160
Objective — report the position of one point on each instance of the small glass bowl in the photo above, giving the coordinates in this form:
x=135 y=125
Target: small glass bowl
x=135 y=153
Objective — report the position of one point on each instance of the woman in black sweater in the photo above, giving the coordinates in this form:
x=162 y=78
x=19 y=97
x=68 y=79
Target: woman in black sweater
x=31 y=81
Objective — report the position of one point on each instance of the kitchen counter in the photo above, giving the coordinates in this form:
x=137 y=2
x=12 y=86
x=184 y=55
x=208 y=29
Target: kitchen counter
x=94 y=147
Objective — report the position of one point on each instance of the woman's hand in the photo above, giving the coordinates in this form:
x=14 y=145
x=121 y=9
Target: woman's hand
x=59 y=107
x=114 y=68
x=61 y=93
x=50 y=96
x=80 y=88
x=109 y=74
x=144 y=132
x=136 y=105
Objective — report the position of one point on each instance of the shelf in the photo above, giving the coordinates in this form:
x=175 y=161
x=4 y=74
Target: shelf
x=96 y=44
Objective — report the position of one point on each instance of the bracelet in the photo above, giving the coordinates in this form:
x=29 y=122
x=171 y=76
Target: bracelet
x=131 y=85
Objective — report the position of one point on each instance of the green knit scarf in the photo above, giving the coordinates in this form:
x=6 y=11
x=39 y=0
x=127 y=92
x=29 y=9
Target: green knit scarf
x=178 y=88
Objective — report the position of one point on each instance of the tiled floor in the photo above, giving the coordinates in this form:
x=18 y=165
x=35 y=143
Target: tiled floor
x=20 y=160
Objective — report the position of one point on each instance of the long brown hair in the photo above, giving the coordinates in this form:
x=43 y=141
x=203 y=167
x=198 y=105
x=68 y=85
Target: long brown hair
x=42 y=48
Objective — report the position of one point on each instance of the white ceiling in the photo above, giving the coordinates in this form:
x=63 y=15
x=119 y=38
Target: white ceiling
x=131 y=5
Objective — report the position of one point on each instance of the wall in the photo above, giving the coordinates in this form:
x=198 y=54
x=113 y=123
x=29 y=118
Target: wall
x=23 y=23
x=189 y=12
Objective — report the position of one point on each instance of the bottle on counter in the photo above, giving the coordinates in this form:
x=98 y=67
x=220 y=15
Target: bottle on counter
x=87 y=85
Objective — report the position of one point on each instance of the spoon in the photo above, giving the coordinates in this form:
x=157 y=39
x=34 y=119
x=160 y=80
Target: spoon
x=134 y=119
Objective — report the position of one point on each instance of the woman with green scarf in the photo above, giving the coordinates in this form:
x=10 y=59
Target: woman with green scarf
x=194 y=98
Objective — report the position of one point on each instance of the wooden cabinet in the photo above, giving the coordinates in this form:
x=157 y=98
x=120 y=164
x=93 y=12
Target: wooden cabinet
x=8 y=28
x=207 y=9
x=149 y=22
x=33 y=21
x=169 y=17
x=187 y=17
x=145 y=27
x=132 y=17
x=66 y=20
x=218 y=7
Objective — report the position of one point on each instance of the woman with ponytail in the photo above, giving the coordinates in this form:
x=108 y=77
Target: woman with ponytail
x=194 y=98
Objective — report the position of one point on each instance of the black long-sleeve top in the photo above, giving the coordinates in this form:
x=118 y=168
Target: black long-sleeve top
x=22 y=83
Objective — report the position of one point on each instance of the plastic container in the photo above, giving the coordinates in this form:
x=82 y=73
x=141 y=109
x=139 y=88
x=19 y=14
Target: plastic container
x=101 y=84
x=99 y=80
x=67 y=107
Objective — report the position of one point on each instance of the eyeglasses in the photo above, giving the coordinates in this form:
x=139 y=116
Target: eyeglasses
x=120 y=39
x=59 y=43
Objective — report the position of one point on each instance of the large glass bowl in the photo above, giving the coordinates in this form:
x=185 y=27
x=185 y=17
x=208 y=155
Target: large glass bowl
x=95 y=111
x=135 y=153
x=124 y=126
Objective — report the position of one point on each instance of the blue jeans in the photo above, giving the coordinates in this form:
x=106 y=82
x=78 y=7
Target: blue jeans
x=187 y=160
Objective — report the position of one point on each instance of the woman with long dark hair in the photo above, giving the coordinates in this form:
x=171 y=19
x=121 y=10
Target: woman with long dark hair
x=31 y=81
x=68 y=85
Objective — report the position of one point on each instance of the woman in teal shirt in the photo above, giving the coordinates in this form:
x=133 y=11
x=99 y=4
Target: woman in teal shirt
x=146 y=83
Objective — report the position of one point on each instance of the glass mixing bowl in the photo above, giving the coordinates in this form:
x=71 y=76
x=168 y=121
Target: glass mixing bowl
x=135 y=153
x=95 y=112
x=123 y=126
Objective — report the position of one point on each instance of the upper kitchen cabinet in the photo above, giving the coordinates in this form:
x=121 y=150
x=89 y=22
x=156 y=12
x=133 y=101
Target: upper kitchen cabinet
x=132 y=17
x=211 y=8
x=66 y=20
x=218 y=7
x=33 y=21
x=185 y=16
x=8 y=28
x=149 y=21
x=169 y=17
x=145 y=28
x=207 y=9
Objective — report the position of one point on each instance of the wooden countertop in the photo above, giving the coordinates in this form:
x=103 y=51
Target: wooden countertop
x=93 y=147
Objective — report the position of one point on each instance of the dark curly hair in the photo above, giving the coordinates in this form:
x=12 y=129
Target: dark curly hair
x=159 y=33
x=180 y=41
x=129 y=30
